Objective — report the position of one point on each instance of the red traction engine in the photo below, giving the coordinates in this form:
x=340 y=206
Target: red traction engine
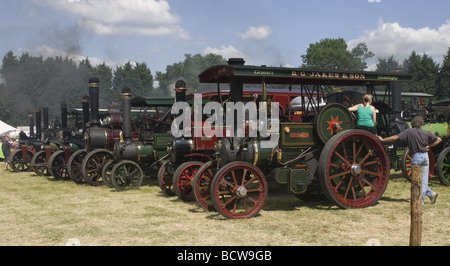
x=185 y=156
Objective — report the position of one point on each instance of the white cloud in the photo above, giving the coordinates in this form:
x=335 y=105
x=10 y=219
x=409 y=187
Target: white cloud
x=123 y=17
x=372 y=1
x=256 y=33
x=393 y=39
x=226 y=52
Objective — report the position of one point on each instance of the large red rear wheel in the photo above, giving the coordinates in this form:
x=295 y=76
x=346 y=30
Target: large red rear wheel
x=353 y=169
x=239 y=190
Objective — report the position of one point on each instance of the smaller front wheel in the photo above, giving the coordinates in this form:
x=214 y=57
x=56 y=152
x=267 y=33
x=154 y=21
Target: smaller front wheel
x=165 y=176
x=126 y=175
x=74 y=166
x=58 y=165
x=239 y=190
x=39 y=163
x=202 y=185
x=182 y=179
x=18 y=162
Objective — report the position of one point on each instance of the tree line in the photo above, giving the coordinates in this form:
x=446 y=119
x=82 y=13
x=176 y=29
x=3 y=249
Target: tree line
x=30 y=82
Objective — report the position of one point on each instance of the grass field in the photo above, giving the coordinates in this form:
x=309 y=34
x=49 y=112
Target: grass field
x=38 y=211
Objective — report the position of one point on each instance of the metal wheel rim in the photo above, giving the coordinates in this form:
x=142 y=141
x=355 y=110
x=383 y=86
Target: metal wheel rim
x=74 y=166
x=126 y=175
x=239 y=190
x=443 y=165
x=349 y=151
x=18 y=164
x=58 y=166
x=202 y=186
x=165 y=176
x=40 y=158
x=182 y=179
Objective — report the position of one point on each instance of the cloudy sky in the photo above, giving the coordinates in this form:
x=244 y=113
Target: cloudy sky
x=161 y=32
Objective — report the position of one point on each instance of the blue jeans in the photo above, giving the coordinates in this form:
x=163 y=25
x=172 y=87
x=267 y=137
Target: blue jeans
x=421 y=159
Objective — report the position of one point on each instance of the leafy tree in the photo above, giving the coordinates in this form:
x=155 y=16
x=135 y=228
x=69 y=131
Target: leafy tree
x=138 y=79
x=188 y=70
x=443 y=79
x=424 y=71
x=333 y=54
x=387 y=65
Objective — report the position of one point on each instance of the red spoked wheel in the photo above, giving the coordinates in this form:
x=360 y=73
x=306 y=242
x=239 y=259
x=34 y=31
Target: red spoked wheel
x=92 y=166
x=182 y=178
x=239 y=190
x=165 y=176
x=74 y=166
x=406 y=164
x=353 y=169
x=202 y=185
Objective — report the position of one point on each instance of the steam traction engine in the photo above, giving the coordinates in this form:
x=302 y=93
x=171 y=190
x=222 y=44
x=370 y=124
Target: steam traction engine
x=134 y=157
x=351 y=167
x=70 y=142
x=99 y=138
x=21 y=157
x=188 y=154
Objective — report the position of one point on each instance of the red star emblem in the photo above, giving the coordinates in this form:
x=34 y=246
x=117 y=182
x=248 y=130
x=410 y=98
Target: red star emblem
x=335 y=124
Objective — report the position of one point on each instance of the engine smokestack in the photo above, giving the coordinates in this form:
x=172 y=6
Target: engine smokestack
x=85 y=107
x=180 y=91
x=126 y=113
x=94 y=95
x=45 y=113
x=64 y=115
x=30 y=116
x=37 y=115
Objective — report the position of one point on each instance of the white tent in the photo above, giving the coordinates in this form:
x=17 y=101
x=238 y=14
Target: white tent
x=6 y=129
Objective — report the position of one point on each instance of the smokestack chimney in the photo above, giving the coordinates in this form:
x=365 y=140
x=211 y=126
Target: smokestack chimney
x=126 y=113
x=94 y=95
x=64 y=115
x=236 y=61
x=85 y=106
x=45 y=113
x=38 y=123
x=180 y=91
x=31 y=125
x=396 y=92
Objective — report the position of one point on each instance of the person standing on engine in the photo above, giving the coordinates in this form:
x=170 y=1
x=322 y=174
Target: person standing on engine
x=419 y=142
x=367 y=115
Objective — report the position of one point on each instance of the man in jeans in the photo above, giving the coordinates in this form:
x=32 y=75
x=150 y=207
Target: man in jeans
x=418 y=141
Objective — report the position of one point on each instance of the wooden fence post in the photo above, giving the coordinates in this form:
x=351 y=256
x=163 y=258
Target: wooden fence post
x=416 y=206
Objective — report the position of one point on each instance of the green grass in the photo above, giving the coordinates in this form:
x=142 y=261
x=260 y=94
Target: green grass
x=38 y=211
